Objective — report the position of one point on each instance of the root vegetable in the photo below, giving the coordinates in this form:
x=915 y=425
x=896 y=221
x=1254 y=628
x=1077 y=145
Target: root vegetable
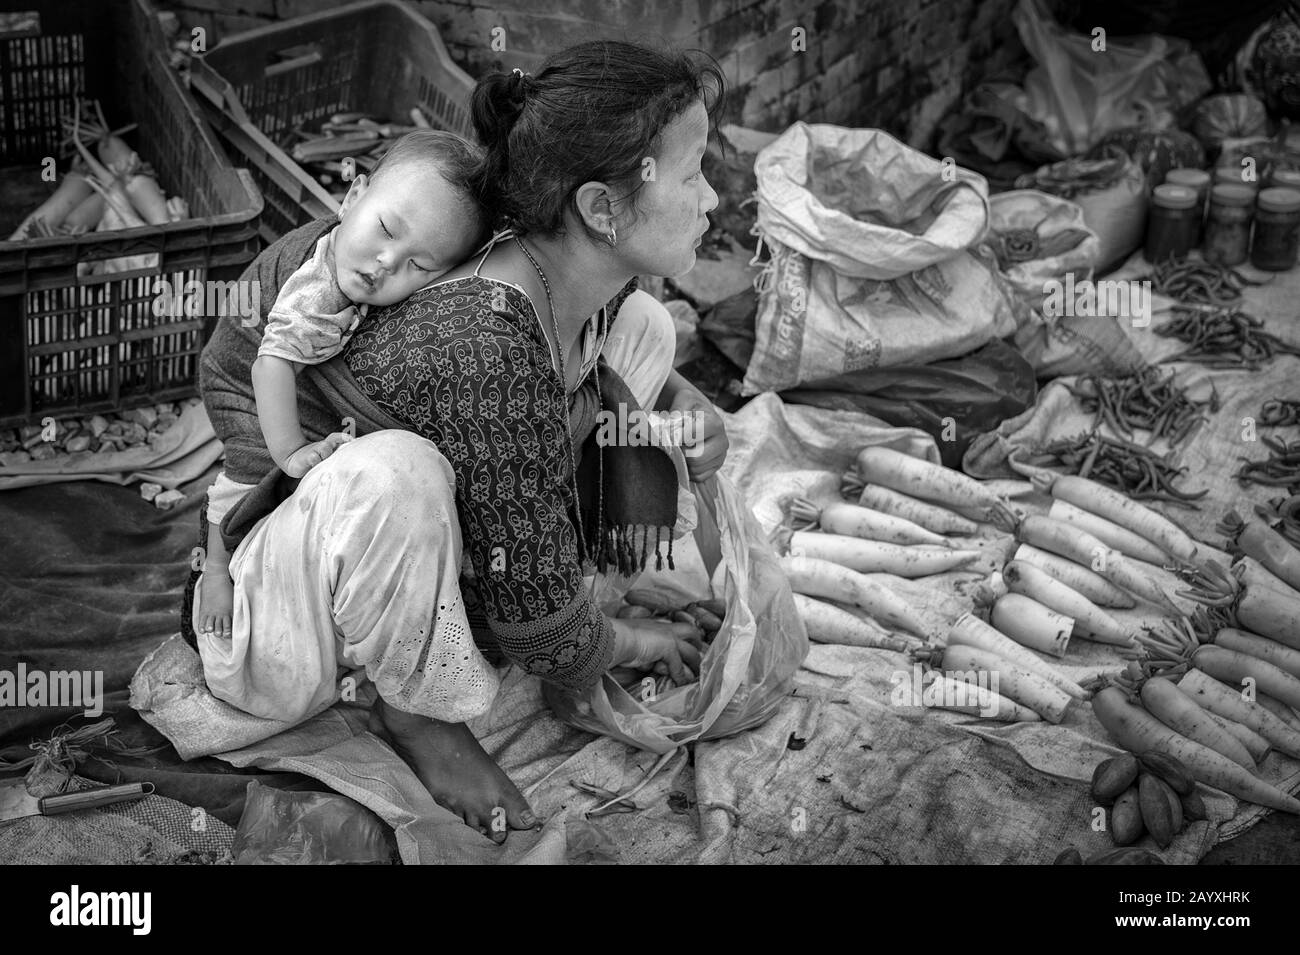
x=970 y=631
x=1138 y=731
x=932 y=482
x=87 y=214
x=1108 y=532
x=853 y=520
x=1090 y=621
x=1234 y=667
x=1255 y=745
x=1279 y=709
x=147 y=199
x=1077 y=577
x=1283 y=657
x=1119 y=509
x=1181 y=714
x=962 y=697
x=71 y=192
x=828 y=624
x=931 y=517
x=874 y=557
x=1228 y=702
x=822 y=578
x=1259 y=541
x=1267 y=606
x=1031 y=624
x=1066 y=540
x=1012 y=681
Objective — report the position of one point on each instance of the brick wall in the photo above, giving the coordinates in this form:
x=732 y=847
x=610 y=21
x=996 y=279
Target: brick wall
x=898 y=65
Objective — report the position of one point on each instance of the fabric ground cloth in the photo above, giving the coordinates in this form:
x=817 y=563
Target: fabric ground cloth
x=873 y=782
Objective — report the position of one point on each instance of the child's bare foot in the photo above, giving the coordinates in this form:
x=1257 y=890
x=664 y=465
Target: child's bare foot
x=455 y=769
x=217 y=598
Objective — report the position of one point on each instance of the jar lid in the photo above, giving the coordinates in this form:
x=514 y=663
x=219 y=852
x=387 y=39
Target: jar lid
x=1231 y=176
x=1232 y=194
x=1289 y=178
x=1193 y=178
x=1279 y=200
x=1174 y=197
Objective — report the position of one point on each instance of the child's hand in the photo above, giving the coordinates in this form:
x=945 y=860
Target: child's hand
x=310 y=455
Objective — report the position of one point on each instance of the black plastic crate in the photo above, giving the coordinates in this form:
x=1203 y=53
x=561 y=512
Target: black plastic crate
x=377 y=57
x=75 y=345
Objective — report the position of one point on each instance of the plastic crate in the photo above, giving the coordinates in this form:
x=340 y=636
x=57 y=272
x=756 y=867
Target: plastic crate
x=78 y=345
x=378 y=57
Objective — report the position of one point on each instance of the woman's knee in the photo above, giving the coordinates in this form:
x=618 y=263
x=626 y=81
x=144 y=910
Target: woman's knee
x=389 y=462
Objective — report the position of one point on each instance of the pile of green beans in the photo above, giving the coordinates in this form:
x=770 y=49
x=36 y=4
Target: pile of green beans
x=1222 y=338
x=1130 y=468
x=1280 y=469
x=1148 y=400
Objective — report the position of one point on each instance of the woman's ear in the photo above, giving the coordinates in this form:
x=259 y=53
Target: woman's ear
x=355 y=192
x=593 y=205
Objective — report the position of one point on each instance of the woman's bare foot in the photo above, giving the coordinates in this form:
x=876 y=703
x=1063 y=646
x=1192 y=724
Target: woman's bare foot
x=217 y=598
x=455 y=769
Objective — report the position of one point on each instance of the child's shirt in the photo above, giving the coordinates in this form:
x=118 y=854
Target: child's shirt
x=311 y=319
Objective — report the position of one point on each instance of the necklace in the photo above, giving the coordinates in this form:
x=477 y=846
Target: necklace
x=564 y=391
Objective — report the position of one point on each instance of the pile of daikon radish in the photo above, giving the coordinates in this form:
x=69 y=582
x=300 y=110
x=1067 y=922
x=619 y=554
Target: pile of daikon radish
x=117 y=190
x=1086 y=555
x=1221 y=691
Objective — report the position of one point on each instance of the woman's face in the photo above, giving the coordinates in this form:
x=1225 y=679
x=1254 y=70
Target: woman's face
x=673 y=206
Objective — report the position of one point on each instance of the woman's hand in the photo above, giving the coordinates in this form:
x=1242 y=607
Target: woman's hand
x=707 y=446
x=310 y=455
x=669 y=649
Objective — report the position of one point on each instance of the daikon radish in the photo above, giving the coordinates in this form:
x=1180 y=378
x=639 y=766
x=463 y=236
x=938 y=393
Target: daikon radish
x=71 y=192
x=932 y=482
x=87 y=214
x=1078 y=545
x=1032 y=625
x=822 y=578
x=1108 y=532
x=1284 y=657
x=940 y=520
x=1232 y=666
x=1181 y=714
x=1138 y=731
x=969 y=630
x=962 y=697
x=1090 y=621
x=1279 y=709
x=1254 y=744
x=1229 y=703
x=875 y=557
x=1093 y=586
x=1010 y=680
x=1119 y=509
x=1266 y=605
x=828 y=624
x=853 y=520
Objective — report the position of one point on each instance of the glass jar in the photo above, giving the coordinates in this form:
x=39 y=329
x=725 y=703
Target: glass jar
x=1285 y=179
x=1231 y=176
x=1171 y=223
x=1227 y=228
x=1199 y=180
x=1277 y=218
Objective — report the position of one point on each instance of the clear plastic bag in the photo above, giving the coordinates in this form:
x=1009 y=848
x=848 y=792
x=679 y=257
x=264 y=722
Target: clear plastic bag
x=750 y=665
x=308 y=828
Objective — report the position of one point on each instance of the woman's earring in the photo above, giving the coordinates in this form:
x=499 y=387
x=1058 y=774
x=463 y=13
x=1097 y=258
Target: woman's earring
x=613 y=237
